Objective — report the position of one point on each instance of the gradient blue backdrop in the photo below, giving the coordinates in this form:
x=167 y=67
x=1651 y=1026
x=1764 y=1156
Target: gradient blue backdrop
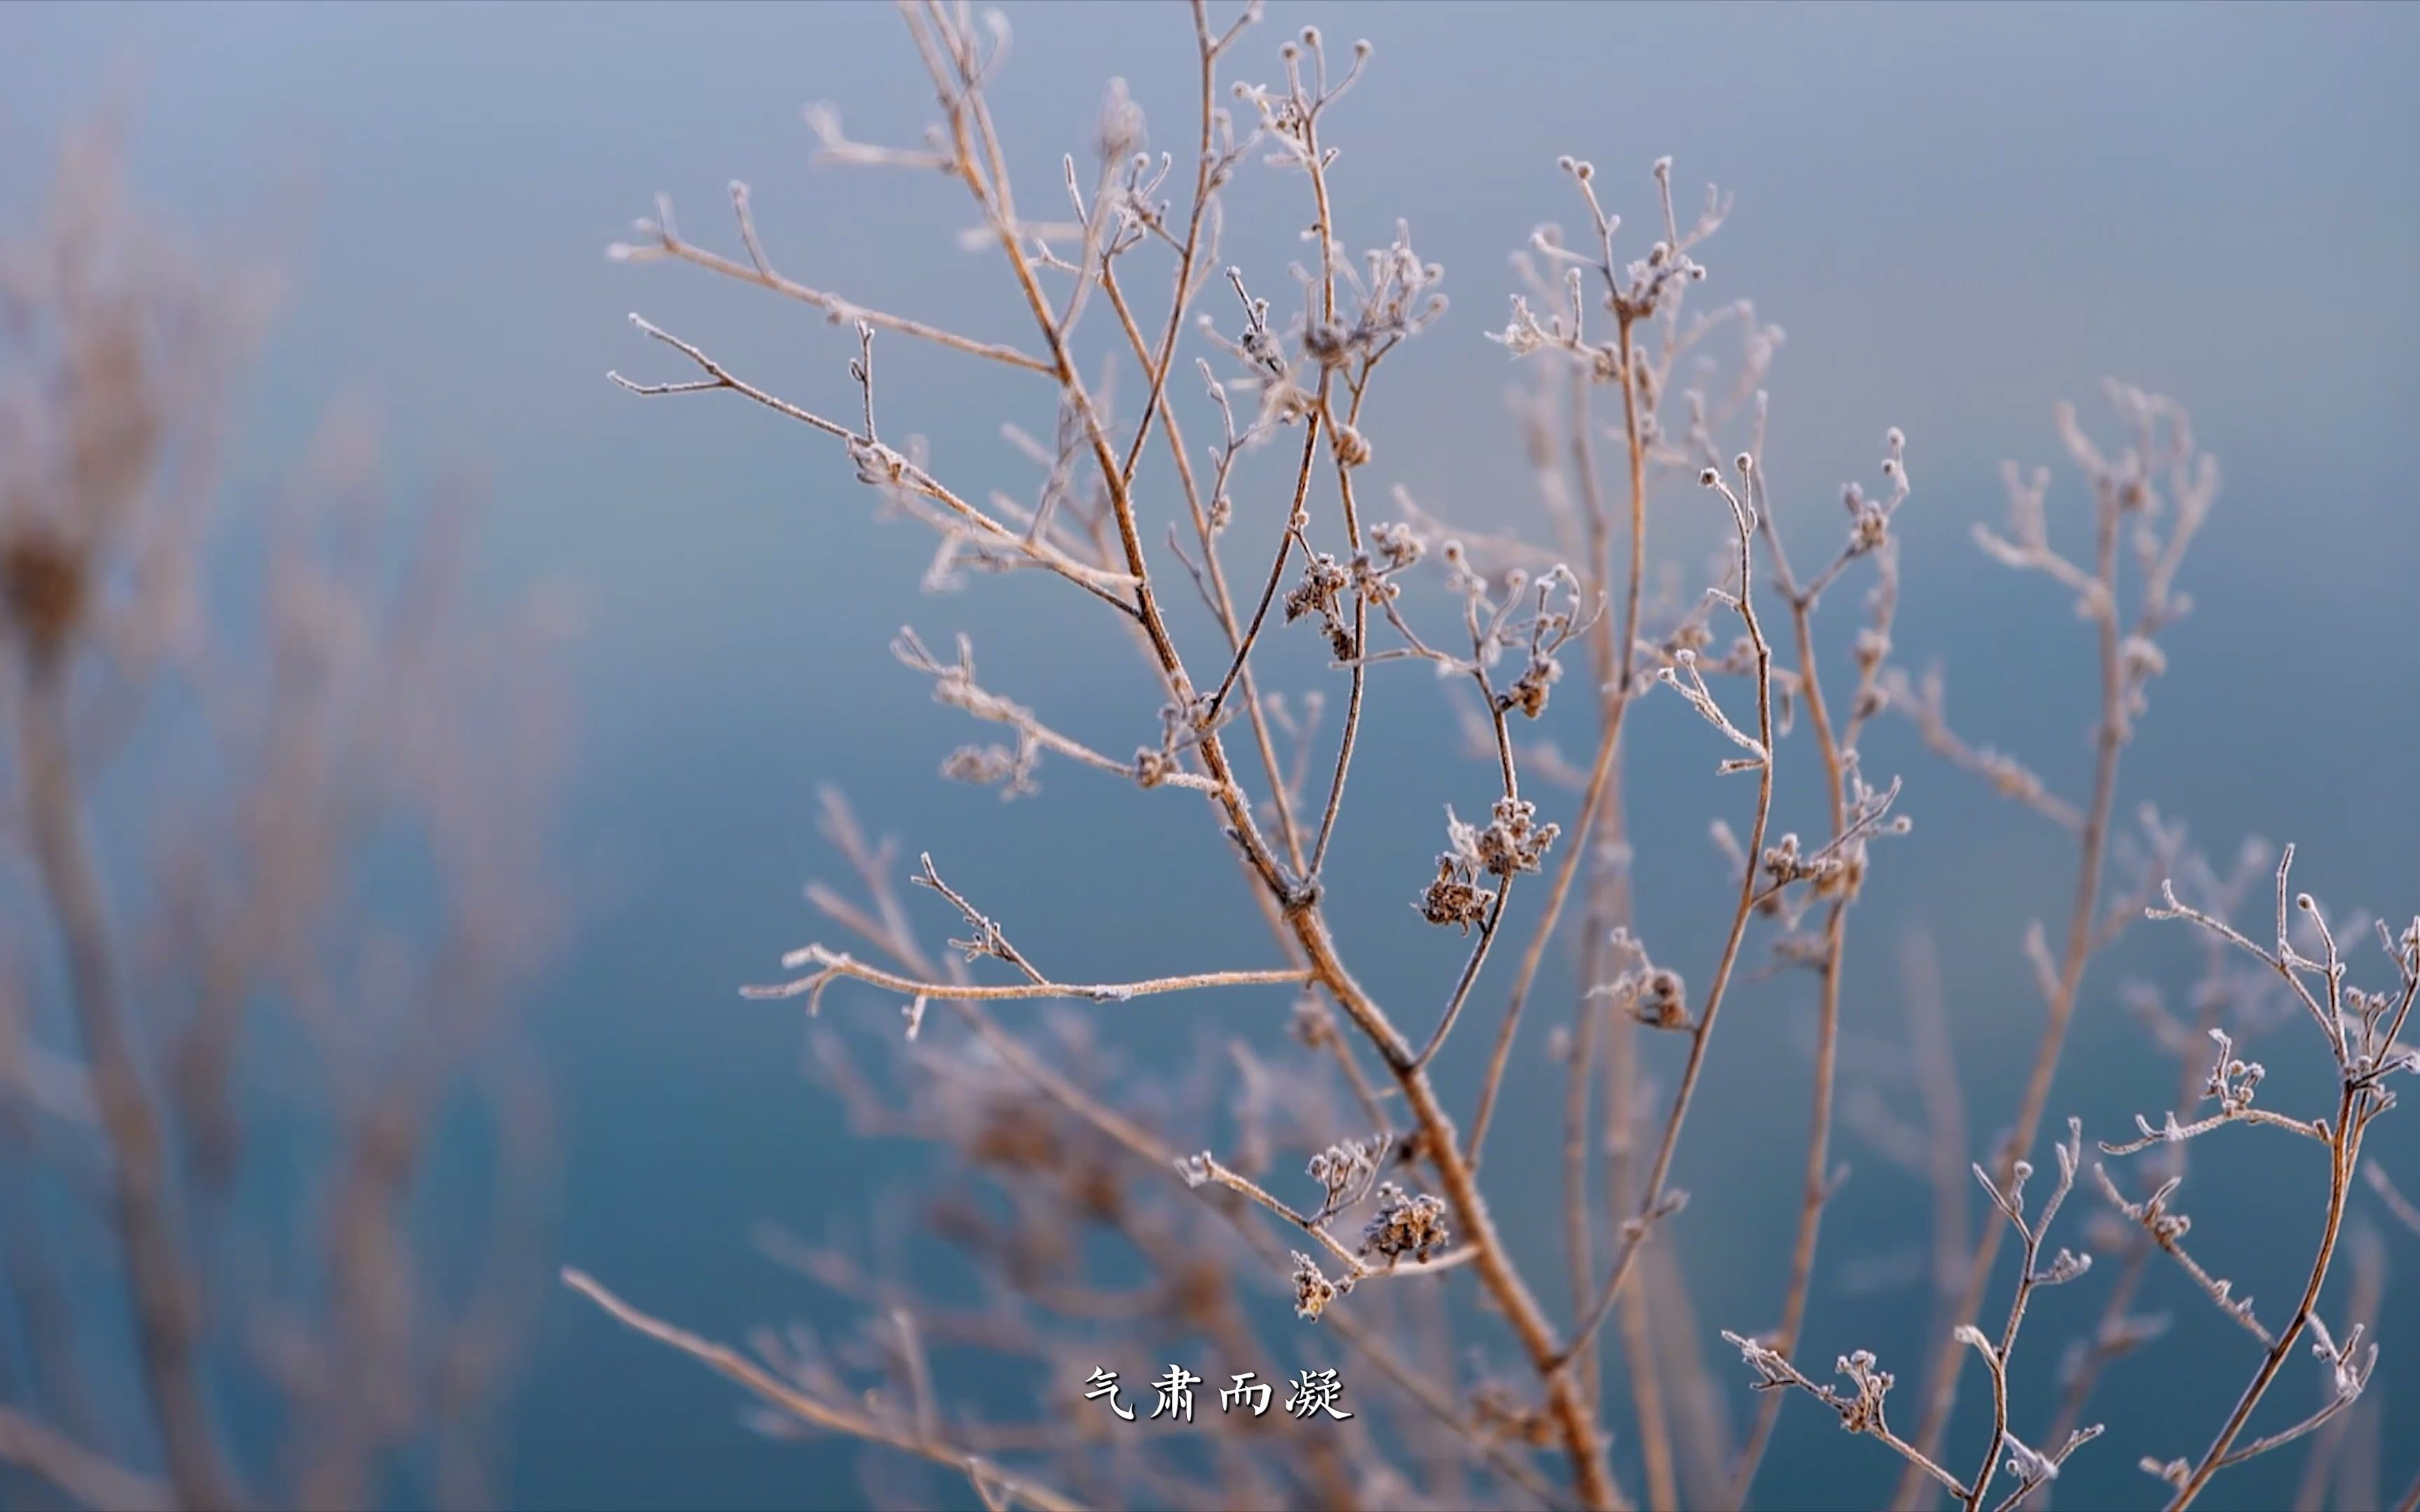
x=1960 y=215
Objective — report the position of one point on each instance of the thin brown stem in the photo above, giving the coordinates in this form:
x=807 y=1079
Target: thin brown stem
x=1221 y=603
x=1286 y=538
x=756 y=272
x=1652 y=1201
x=2109 y=743
x=166 y=1325
x=834 y=963
x=1495 y=919
x=1616 y=679
x=1325 y=225
x=2344 y=1153
x=1611 y=652
x=829 y=1416
x=1815 y=1183
x=87 y=1477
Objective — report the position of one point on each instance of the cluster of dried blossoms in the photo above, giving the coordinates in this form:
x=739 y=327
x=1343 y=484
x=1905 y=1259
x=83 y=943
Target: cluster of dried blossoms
x=226 y=1053
x=1054 y=1166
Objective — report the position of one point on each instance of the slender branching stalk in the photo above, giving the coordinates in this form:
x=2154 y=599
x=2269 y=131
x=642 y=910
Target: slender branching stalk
x=1190 y=1187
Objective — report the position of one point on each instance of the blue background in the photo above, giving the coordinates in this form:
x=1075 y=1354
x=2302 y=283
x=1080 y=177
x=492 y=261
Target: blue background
x=1960 y=216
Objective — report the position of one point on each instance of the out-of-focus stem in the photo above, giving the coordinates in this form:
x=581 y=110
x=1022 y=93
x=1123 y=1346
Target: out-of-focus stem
x=167 y=1327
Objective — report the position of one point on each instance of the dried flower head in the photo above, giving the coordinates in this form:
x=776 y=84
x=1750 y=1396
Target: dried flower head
x=1404 y=1224
x=1344 y=1171
x=1312 y=1289
x=1513 y=839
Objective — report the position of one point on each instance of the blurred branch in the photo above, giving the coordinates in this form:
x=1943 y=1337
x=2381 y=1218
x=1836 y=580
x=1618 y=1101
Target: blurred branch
x=96 y=1482
x=988 y=1478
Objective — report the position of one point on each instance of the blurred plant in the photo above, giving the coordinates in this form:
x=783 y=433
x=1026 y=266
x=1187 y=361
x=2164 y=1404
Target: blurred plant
x=1054 y=1171
x=271 y=847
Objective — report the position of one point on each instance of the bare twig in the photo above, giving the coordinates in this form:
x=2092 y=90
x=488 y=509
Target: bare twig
x=164 y=1303
x=830 y=1417
x=2122 y=490
x=1654 y=1202
x=96 y=1482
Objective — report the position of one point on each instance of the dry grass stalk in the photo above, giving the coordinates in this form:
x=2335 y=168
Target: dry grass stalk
x=1048 y=1158
x=258 y=965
